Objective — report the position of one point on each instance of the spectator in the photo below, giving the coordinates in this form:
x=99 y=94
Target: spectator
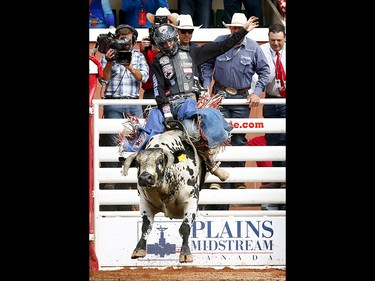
x=122 y=82
x=101 y=14
x=150 y=50
x=134 y=12
x=199 y=10
x=185 y=30
x=232 y=73
x=173 y=71
x=276 y=43
x=252 y=8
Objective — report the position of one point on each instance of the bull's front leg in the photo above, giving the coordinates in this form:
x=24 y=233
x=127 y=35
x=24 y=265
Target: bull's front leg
x=185 y=254
x=140 y=250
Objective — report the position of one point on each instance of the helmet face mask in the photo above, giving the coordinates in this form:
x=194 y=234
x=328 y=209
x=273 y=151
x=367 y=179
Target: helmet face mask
x=166 y=39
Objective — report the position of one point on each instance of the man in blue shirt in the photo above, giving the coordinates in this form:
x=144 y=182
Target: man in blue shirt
x=232 y=73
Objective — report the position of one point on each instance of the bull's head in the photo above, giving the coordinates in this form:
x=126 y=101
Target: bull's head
x=151 y=164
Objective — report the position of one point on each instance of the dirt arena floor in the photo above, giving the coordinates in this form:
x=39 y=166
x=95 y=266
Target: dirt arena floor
x=186 y=273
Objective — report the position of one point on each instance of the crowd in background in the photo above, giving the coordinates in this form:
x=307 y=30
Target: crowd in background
x=101 y=14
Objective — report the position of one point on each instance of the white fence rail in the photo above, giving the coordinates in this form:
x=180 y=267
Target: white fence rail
x=243 y=174
x=206 y=196
x=229 y=153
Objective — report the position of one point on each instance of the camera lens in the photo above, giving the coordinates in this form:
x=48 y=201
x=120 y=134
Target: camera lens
x=124 y=57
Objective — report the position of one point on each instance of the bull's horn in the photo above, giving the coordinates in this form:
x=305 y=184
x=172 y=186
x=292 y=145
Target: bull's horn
x=127 y=163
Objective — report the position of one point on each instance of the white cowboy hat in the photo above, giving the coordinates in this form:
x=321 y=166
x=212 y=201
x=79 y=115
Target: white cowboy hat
x=186 y=22
x=238 y=19
x=163 y=12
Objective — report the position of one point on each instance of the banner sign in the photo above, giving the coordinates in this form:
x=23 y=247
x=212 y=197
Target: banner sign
x=214 y=241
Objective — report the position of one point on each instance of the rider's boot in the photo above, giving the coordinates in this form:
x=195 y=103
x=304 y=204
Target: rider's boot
x=219 y=172
x=214 y=167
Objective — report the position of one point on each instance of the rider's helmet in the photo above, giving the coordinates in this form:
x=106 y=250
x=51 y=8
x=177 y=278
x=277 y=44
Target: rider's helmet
x=166 y=39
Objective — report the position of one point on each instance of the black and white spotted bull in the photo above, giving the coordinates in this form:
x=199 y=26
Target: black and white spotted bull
x=170 y=176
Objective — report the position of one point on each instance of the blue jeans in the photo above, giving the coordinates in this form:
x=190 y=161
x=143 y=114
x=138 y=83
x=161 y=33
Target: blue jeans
x=190 y=124
x=117 y=112
x=213 y=126
x=252 y=7
x=200 y=14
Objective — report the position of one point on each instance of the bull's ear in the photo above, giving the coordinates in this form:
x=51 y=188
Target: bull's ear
x=171 y=159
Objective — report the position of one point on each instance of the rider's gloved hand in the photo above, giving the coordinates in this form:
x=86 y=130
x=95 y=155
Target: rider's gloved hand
x=169 y=122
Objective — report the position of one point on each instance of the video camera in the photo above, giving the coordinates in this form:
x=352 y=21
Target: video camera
x=158 y=20
x=122 y=52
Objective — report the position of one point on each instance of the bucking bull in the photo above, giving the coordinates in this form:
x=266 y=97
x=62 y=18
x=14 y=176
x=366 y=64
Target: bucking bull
x=170 y=175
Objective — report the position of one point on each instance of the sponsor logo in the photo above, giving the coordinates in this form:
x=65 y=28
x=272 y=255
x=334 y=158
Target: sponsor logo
x=164 y=60
x=186 y=64
x=188 y=70
x=167 y=71
x=236 y=237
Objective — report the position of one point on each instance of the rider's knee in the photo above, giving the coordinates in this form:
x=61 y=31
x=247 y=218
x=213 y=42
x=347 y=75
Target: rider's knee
x=192 y=128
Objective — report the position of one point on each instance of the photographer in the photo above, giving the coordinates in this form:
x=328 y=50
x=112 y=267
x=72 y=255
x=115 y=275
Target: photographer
x=124 y=68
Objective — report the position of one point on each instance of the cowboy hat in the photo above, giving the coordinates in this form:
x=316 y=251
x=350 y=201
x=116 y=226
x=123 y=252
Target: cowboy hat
x=185 y=22
x=163 y=12
x=238 y=19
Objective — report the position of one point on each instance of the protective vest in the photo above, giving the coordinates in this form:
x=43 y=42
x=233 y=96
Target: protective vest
x=179 y=71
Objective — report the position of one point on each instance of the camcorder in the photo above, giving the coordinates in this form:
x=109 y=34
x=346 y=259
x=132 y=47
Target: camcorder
x=158 y=20
x=122 y=52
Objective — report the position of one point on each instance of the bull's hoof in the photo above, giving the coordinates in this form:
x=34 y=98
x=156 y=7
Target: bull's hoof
x=139 y=254
x=186 y=258
x=185 y=254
